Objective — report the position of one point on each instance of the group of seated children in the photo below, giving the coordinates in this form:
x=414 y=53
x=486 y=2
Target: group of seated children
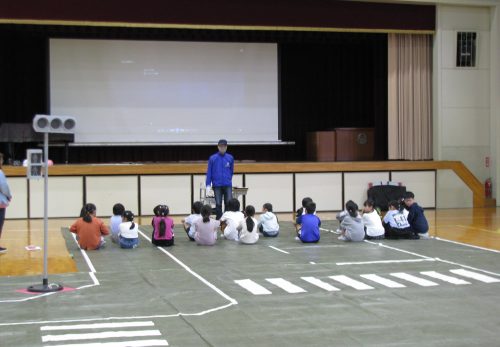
x=234 y=224
x=403 y=220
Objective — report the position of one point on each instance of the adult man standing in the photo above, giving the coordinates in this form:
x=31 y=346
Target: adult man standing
x=220 y=175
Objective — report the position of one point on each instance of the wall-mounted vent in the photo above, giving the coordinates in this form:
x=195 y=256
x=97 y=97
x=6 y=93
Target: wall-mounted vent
x=466 y=49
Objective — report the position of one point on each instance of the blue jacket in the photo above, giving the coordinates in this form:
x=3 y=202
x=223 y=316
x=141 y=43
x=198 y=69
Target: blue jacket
x=417 y=220
x=309 y=231
x=220 y=170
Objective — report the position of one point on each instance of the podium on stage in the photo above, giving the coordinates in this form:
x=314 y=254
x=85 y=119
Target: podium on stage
x=355 y=144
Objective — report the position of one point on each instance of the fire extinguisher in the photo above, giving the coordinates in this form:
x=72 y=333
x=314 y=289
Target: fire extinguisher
x=487 y=188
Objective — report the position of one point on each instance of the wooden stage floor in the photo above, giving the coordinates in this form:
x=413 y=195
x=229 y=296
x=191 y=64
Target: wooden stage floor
x=479 y=227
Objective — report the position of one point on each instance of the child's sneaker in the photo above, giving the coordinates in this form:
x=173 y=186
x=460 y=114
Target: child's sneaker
x=424 y=236
x=342 y=238
x=3 y=250
x=297 y=238
x=337 y=232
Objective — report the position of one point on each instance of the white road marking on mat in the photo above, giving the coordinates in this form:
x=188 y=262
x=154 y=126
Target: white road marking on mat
x=252 y=287
x=398 y=249
x=188 y=269
x=468 y=267
x=383 y=281
x=97 y=326
x=319 y=283
x=446 y=278
x=101 y=335
x=286 y=286
x=414 y=279
x=351 y=282
x=85 y=255
x=467 y=245
x=279 y=250
x=312 y=263
x=385 y=261
x=475 y=275
x=138 y=343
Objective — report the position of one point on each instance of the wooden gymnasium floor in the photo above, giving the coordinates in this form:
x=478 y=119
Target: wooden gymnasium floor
x=439 y=292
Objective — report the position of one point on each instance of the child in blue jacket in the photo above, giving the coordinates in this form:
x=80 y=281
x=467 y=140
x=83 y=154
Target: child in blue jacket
x=416 y=217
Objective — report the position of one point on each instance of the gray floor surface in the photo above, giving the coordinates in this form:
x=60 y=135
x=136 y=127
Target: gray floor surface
x=187 y=295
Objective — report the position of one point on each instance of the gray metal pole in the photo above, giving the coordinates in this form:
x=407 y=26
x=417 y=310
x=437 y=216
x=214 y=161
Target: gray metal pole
x=45 y=208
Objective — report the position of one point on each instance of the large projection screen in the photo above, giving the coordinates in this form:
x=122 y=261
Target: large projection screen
x=124 y=92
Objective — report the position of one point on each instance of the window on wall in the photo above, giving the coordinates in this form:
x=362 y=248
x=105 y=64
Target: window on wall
x=466 y=49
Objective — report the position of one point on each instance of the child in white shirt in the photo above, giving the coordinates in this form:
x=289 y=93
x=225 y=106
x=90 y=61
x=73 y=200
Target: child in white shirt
x=268 y=222
x=129 y=231
x=231 y=219
x=247 y=229
x=189 y=222
x=373 y=223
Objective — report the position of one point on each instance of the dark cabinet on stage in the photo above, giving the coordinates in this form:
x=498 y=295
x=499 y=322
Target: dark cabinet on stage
x=321 y=146
x=343 y=144
x=355 y=144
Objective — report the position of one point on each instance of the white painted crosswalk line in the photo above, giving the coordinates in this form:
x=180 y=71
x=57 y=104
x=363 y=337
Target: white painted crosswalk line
x=286 y=286
x=101 y=335
x=319 y=283
x=351 y=282
x=383 y=281
x=252 y=287
x=414 y=279
x=141 y=343
x=475 y=276
x=97 y=326
x=446 y=278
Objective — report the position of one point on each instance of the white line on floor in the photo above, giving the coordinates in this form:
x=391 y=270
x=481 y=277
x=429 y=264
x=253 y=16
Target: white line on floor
x=383 y=281
x=468 y=267
x=476 y=276
x=279 y=250
x=351 y=282
x=319 y=283
x=414 y=279
x=386 y=261
x=449 y=279
x=97 y=326
x=467 y=245
x=286 y=286
x=138 y=343
x=101 y=335
x=188 y=269
x=398 y=249
x=252 y=287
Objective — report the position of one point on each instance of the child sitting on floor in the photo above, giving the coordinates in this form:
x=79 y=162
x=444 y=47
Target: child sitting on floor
x=206 y=228
x=231 y=219
x=163 y=227
x=268 y=222
x=247 y=229
x=310 y=223
x=395 y=223
x=373 y=223
x=129 y=231
x=416 y=217
x=352 y=227
x=188 y=223
x=115 y=221
x=89 y=229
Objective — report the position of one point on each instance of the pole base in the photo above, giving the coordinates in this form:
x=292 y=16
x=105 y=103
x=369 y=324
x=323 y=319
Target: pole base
x=45 y=288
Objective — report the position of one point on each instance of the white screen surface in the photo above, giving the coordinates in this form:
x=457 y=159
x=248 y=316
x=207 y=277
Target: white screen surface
x=165 y=92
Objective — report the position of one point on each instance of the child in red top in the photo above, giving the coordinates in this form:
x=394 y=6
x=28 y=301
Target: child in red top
x=163 y=227
x=89 y=229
